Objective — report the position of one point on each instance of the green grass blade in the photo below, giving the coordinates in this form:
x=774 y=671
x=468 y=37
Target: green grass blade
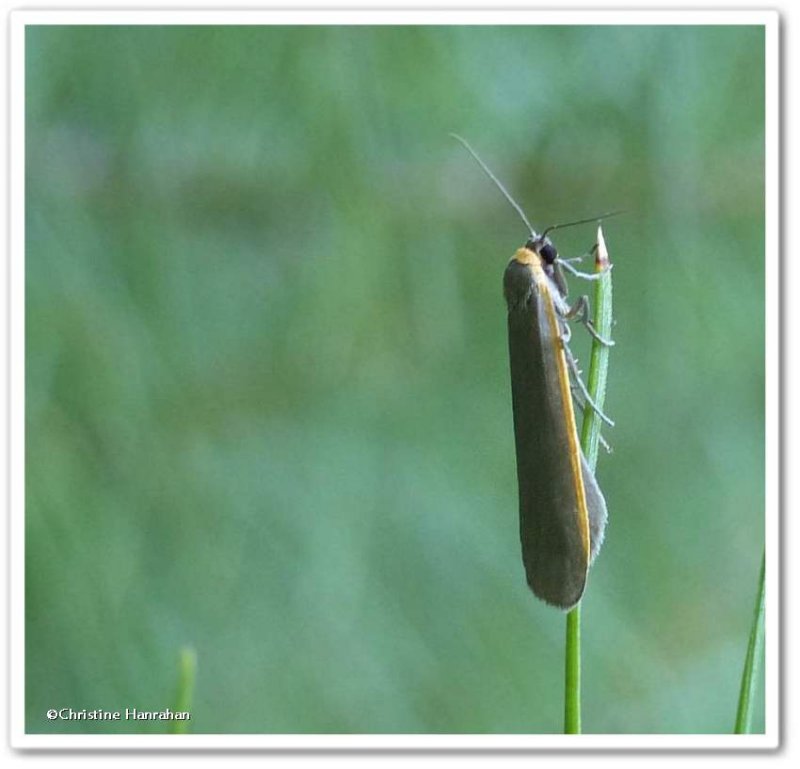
x=755 y=648
x=597 y=377
x=590 y=442
x=187 y=668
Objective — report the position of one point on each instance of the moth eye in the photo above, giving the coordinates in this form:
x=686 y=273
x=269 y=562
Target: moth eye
x=548 y=253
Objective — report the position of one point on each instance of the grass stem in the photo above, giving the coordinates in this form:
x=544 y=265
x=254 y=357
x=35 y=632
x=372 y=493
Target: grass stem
x=590 y=442
x=187 y=668
x=755 y=647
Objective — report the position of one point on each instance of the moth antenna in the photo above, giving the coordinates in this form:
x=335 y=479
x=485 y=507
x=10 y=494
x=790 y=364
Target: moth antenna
x=498 y=183
x=583 y=221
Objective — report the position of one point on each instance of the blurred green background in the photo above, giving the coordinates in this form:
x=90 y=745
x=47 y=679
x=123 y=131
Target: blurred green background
x=268 y=403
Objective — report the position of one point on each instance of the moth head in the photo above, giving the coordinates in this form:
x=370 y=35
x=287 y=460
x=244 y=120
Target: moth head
x=543 y=246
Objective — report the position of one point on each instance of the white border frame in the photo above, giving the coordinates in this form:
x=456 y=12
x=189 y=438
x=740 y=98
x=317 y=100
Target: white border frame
x=19 y=739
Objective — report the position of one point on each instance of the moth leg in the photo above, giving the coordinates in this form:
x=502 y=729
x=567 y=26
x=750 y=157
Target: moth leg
x=566 y=331
x=581 y=404
x=585 y=275
x=580 y=312
x=573 y=365
x=590 y=252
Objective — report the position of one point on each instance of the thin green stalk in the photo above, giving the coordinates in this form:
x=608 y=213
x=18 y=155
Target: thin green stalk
x=590 y=442
x=572 y=673
x=597 y=377
x=187 y=667
x=755 y=647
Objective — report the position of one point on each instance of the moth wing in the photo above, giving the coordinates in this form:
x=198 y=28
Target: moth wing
x=553 y=521
x=596 y=506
